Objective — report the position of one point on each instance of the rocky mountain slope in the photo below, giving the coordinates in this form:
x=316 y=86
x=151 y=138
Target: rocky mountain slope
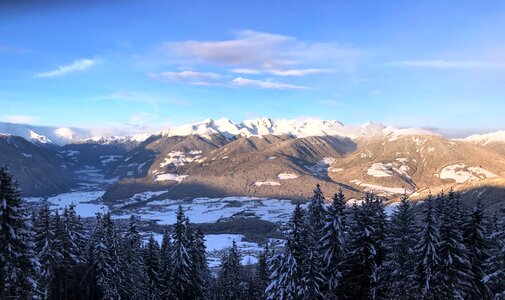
x=280 y=159
x=39 y=171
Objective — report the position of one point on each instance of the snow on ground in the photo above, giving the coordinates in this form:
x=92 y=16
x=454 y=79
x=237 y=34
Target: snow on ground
x=390 y=169
x=381 y=190
x=461 y=174
x=216 y=243
x=321 y=167
x=390 y=208
x=107 y=159
x=484 y=139
x=260 y=183
x=381 y=170
x=168 y=176
x=81 y=201
x=179 y=158
x=209 y=210
x=285 y=176
x=26 y=154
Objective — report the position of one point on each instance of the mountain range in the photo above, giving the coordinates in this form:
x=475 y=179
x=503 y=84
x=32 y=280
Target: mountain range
x=262 y=158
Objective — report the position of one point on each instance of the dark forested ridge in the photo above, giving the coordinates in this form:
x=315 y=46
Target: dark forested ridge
x=435 y=250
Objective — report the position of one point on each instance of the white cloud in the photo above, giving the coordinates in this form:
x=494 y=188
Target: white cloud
x=22 y=119
x=78 y=65
x=263 y=84
x=129 y=96
x=251 y=52
x=191 y=77
x=246 y=71
x=447 y=64
x=298 y=72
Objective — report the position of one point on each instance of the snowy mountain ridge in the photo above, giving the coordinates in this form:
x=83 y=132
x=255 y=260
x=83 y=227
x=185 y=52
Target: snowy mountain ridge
x=294 y=128
x=487 y=138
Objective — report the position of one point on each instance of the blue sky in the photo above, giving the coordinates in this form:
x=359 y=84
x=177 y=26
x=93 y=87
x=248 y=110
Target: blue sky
x=146 y=64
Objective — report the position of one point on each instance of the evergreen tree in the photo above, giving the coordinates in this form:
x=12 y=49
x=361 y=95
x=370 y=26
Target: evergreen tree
x=400 y=244
x=182 y=271
x=45 y=250
x=262 y=272
x=166 y=266
x=70 y=243
x=334 y=244
x=288 y=269
x=455 y=268
x=152 y=263
x=133 y=266
x=427 y=253
x=18 y=263
x=479 y=246
x=360 y=278
x=230 y=282
x=495 y=274
x=106 y=260
x=201 y=270
x=313 y=276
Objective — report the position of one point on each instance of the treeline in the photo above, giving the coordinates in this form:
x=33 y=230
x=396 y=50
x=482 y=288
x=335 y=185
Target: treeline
x=439 y=250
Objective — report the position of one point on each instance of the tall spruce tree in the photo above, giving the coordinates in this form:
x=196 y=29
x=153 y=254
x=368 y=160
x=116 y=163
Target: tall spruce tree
x=202 y=276
x=182 y=271
x=165 y=272
x=313 y=276
x=230 y=281
x=288 y=268
x=334 y=245
x=45 y=250
x=495 y=271
x=132 y=263
x=262 y=272
x=360 y=279
x=455 y=271
x=18 y=263
x=400 y=244
x=105 y=248
x=427 y=253
x=152 y=263
x=479 y=246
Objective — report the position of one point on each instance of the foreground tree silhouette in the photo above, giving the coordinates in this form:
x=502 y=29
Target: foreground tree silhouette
x=18 y=264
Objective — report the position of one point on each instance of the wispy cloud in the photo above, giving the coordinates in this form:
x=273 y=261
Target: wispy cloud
x=22 y=119
x=246 y=71
x=191 y=77
x=129 y=96
x=252 y=52
x=288 y=72
x=12 y=50
x=447 y=64
x=77 y=65
x=264 y=84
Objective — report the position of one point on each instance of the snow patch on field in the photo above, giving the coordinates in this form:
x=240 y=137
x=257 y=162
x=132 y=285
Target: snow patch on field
x=460 y=173
x=209 y=210
x=261 y=183
x=107 y=159
x=389 y=169
x=216 y=245
x=179 y=158
x=285 y=176
x=322 y=166
x=168 y=176
x=381 y=190
x=81 y=201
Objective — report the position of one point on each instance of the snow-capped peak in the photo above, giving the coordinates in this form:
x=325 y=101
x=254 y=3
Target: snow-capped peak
x=484 y=139
x=295 y=128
